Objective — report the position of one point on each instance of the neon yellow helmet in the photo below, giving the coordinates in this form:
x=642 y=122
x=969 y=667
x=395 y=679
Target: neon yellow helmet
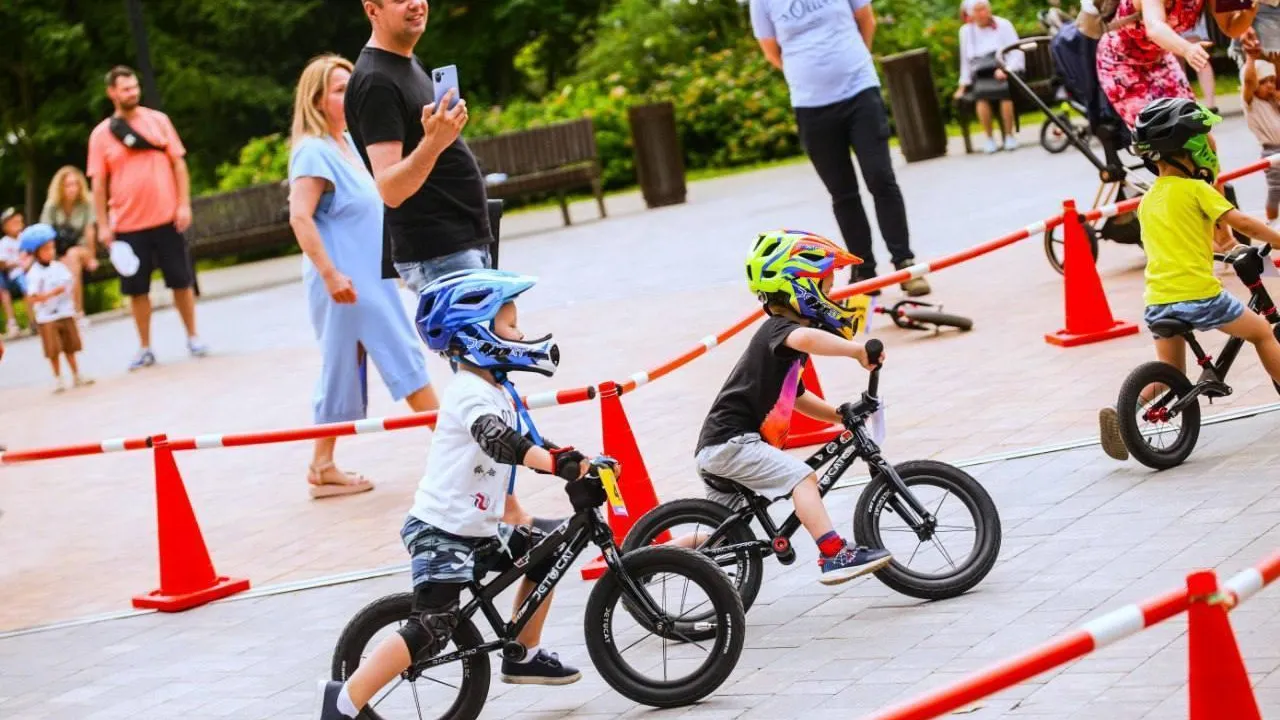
x=787 y=267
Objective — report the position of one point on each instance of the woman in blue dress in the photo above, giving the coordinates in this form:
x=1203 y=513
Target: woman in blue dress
x=336 y=215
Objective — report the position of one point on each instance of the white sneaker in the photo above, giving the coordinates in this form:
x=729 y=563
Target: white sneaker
x=59 y=385
x=11 y=331
x=991 y=146
x=1010 y=143
x=83 y=380
x=197 y=348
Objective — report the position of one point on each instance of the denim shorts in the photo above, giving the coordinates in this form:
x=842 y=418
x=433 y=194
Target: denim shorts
x=1208 y=314
x=418 y=275
x=15 y=286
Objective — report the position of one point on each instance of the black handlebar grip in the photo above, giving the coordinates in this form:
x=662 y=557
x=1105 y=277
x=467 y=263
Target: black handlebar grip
x=874 y=348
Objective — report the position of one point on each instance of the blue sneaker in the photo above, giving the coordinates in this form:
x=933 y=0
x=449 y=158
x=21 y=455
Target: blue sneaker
x=144 y=358
x=851 y=562
x=196 y=347
x=544 y=669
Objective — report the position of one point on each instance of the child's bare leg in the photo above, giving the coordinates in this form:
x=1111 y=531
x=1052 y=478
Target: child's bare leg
x=56 y=362
x=71 y=363
x=388 y=660
x=531 y=635
x=810 y=509
x=1253 y=327
x=10 y=317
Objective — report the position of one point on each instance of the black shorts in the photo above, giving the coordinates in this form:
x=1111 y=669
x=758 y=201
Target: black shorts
x=163 y=246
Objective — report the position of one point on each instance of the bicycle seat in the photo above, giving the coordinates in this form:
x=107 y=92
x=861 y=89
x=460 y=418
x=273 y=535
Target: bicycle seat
x=722 y=484
x=1170 y=327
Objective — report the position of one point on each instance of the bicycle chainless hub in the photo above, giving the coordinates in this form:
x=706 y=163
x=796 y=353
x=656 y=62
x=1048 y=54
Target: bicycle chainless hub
x=782 y=548
x=513 y=651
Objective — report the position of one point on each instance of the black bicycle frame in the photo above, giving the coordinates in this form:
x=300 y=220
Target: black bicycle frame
x=1259 y=302
x=852 y=444
x=566 y=543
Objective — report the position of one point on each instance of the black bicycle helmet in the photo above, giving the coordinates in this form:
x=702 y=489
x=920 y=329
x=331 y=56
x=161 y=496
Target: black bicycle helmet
x=1169 y=126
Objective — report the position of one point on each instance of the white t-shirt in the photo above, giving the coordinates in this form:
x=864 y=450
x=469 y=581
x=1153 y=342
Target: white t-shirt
x=464 y=491
x=10 y=254
x=42 y=279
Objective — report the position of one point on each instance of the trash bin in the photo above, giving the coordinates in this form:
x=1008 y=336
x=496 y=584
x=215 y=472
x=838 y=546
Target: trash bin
x=659 y=158
x=916 y=115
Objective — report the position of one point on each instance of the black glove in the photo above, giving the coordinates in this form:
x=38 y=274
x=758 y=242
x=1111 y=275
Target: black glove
x=586 y=492
x=567 y=462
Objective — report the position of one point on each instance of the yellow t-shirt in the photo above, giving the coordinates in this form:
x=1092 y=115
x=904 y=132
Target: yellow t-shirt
x=1177 y=217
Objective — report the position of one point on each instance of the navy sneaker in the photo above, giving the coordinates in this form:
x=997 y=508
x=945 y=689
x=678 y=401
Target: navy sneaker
x=327 y=702
x=544 y=669
x=851 y=562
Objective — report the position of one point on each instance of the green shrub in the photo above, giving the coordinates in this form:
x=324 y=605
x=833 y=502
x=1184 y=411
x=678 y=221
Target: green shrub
x=262 y=160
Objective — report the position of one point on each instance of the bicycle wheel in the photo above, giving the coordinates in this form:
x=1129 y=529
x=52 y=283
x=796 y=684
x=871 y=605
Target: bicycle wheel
x=680 y=582
x=1055 y=245
x=461 y=687
x=941 y=319
x=1154 y=436
x=695 y=519
x=1052 y=138
x=928 y=568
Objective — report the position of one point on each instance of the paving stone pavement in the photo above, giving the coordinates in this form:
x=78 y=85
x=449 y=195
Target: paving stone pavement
x=620 y=295
x=1081 y=537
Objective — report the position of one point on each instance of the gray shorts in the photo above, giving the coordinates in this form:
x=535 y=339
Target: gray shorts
x=754 y=464
x=1209 y=314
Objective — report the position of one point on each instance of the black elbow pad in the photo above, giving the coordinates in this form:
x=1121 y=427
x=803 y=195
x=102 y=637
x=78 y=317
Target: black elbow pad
x=499 y=440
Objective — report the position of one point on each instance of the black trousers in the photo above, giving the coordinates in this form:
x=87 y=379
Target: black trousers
x=861 y=123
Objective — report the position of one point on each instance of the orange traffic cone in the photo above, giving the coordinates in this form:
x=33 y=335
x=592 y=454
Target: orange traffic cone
x=633 y=483
x=187 y=577
x=1218 y=682
x=1088 y=315
x=806 y=431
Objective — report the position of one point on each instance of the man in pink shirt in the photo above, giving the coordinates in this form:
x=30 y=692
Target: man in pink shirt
x=139 y=175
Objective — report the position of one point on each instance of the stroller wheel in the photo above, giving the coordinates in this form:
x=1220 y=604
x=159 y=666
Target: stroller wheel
x=1052 y=138
x=1055 y=247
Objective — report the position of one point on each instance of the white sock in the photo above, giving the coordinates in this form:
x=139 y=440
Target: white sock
x=345 y=706
x=530 y=654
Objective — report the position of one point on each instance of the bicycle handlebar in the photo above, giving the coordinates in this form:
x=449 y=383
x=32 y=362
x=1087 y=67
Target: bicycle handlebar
x=874 y=349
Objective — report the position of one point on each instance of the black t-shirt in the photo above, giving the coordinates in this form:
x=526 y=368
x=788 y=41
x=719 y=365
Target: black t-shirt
x=760 y=394
x=448 y=213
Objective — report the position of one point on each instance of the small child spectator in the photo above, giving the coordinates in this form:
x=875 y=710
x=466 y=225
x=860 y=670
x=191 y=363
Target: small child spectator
x=1262 y=113
x=11 y=285
x=49 y=288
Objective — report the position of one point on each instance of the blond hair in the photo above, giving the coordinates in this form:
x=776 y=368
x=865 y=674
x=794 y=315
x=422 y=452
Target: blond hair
x=54 y=196
x=308 y=118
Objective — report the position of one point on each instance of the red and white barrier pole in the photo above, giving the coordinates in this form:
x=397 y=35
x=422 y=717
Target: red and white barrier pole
x=1103 y=631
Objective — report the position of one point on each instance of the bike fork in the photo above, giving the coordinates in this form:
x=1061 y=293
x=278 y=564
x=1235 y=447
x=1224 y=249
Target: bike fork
x=904 y=502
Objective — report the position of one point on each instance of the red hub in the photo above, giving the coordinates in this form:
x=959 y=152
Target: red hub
x=781 y=545
x=1157 y=415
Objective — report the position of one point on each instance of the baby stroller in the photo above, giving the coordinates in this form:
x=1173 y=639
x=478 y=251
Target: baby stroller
x=1074 y=58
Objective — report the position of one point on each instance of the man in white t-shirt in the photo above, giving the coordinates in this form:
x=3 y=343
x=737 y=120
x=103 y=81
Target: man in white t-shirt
x=10 y=268
x=470 y=317
x=49 y=286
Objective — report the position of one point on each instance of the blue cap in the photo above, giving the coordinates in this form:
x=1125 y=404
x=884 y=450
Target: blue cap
x=36 y=235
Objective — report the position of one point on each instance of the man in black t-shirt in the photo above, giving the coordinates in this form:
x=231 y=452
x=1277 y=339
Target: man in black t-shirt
x=436 y=218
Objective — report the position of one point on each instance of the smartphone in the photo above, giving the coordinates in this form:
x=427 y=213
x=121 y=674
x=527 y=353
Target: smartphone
x=1232 y=5
x=446 y=79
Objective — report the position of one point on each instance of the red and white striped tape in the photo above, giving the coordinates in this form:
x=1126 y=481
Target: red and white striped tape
x=1097 y=633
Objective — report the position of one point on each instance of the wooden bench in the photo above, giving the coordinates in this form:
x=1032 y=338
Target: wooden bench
x=1039 y=75
x=227 y=223
x=552 y=158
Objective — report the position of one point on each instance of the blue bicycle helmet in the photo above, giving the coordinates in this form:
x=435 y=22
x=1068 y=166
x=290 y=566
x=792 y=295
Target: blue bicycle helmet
x=455 y=318
x=31 y=238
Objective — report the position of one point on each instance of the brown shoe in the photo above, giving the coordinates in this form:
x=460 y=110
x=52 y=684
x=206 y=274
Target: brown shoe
x=1109 y=434
x=915 y=287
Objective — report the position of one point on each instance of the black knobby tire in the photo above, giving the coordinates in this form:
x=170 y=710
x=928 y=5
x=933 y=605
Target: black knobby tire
x=1055 y=243
x=933 y=317
x=393 y=610
x=1052 y=139
x=725 y=648
x=981 y=508
x=748 y=566
x=1127 y=409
